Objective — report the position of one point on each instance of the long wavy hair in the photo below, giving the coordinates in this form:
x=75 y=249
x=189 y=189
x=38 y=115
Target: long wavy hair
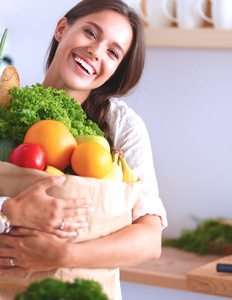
x=129 y=71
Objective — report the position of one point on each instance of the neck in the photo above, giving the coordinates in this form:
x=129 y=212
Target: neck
x=78 y=95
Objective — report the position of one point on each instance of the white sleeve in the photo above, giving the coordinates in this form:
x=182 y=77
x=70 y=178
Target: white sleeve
x=128 y=132
x=2 y=199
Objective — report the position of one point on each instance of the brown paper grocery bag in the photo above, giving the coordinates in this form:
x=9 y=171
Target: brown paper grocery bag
x=113 y=203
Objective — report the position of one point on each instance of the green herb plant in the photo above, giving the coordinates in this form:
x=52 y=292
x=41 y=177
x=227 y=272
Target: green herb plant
x=52 y=289
x=203 y=238
x=32 y=104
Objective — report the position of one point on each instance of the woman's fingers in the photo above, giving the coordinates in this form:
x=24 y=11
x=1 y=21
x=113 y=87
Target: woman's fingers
x=42 y=186
x=47 y=183
x=8 y=262
x=75 y=202
x=12 y=271
x=65 y=229
x=6 y=245
x=28 y=252
x=58 y=209
x=71 y=226
x=40 y=206
x=67 y=224
x=45 y=212
x=69 y=229
x=81 y=209
x=20 y=231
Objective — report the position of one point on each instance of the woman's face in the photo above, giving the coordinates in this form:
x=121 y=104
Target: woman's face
x=89 y=51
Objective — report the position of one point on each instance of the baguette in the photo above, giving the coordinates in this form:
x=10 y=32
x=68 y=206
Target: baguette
x=9 y=79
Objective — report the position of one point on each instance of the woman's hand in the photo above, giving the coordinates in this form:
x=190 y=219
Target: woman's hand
x=35 y=209
x=31 y=251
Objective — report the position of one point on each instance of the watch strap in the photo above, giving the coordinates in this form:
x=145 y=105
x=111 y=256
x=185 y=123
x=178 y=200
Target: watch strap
x=4 y=222
x=2 y=199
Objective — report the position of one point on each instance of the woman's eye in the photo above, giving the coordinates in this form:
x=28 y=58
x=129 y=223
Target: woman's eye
x=90 y=33
x=114 y=53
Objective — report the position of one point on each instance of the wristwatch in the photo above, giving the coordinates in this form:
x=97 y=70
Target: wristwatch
x=4 y=222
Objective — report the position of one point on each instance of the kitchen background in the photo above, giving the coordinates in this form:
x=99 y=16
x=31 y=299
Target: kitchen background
x=185 y=99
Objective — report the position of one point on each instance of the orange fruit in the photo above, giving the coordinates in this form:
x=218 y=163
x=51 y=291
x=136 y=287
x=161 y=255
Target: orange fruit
x=91 y=159
x=55 y=139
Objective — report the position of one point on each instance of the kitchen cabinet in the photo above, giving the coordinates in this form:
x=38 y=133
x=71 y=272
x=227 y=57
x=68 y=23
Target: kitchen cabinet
x=200 y=38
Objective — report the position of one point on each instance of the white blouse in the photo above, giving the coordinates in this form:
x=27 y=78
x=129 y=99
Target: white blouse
x=128 y=132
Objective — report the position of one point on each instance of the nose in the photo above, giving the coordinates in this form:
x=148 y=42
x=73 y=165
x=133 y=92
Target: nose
x=96 y=50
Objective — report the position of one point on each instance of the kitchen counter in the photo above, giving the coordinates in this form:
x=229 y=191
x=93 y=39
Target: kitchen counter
x=173 y=269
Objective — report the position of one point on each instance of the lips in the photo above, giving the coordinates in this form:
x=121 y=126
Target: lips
x=89 y=69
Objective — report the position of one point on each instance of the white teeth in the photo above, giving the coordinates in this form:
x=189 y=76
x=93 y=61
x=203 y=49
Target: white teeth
x=85 y=65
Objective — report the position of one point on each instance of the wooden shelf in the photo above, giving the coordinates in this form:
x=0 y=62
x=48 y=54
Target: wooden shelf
x=202 y=38
x=169 y=271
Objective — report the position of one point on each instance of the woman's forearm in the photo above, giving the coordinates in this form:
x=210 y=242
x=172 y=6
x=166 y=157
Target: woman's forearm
x=131 y=245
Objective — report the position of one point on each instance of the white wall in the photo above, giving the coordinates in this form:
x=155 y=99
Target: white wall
x=30 y=28
x=185 y=99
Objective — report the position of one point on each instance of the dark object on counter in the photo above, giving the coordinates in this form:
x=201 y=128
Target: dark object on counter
x=224 y=268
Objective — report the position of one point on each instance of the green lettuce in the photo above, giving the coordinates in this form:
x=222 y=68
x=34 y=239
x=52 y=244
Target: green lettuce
x=35 y=103
x=52 y=289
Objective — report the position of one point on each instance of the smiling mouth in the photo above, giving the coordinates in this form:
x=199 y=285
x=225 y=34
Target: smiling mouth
x=85 y=66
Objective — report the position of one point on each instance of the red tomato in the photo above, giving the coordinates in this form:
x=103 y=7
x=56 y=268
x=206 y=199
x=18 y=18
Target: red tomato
x=28 y=155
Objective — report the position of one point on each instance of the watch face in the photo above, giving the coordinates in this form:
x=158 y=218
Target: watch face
x=2 y=225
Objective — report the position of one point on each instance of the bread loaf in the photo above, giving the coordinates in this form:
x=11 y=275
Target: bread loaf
x=8 y=80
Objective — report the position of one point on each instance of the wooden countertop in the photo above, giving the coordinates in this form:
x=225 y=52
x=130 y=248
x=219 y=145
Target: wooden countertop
x=169 y=271
x=205 y=279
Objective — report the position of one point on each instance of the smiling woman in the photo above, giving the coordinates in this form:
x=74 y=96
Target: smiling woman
x=89 y=52
x=130 y=70
x=97 y=54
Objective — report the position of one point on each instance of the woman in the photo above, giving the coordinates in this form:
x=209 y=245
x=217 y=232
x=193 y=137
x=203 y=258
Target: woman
x=97 y=53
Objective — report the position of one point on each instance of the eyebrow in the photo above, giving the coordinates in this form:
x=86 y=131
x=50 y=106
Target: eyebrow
x=99 y=28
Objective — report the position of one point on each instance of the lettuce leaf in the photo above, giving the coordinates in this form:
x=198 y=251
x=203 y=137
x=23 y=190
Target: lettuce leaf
x=52 y=289
x=32 y=104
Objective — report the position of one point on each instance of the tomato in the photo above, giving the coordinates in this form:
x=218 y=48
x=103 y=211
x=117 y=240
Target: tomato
x=28 y=155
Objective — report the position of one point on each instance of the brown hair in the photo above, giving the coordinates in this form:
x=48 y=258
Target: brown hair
x=128 y=73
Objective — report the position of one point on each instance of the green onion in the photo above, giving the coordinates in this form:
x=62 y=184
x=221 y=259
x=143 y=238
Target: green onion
x=3 y=43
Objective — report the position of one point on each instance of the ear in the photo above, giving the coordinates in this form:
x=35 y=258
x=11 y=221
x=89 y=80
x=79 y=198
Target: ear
x=61 y=27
